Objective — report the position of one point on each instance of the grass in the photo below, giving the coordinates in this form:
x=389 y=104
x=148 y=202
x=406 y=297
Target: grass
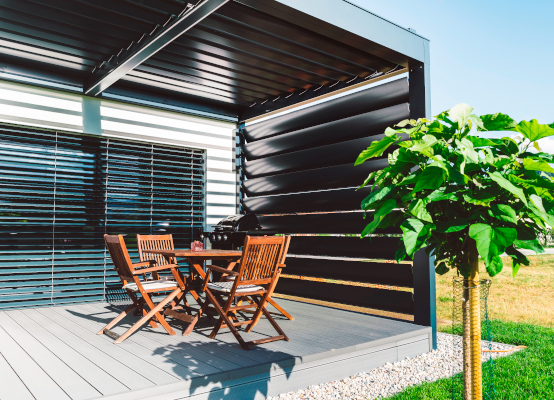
x=522 y=310
x=527 y=298
x=528 y=374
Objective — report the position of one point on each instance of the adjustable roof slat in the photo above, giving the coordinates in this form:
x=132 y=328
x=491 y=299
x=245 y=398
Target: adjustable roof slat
x=241 y=57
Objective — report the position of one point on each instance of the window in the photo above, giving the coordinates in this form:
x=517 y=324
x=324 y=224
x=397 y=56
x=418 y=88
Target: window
x=59 y=194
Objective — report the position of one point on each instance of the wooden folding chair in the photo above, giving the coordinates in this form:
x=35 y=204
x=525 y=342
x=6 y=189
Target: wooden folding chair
x=165 y=242
x=129 y=274
x=281 y=310
x=256 y=279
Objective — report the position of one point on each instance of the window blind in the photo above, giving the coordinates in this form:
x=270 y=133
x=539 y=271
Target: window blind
x=60 y=192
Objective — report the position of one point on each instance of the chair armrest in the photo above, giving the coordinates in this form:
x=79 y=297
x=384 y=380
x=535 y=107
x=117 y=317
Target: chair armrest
x=223 y=270
x=281 y=265
x=144 y=263
x=158 y=268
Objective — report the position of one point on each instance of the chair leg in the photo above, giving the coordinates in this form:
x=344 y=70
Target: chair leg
x=274 y=324
x=114 y=321
x=154 y=311
x=224 y=318
x=158 y=316
x=280 y=309
x=151 y=322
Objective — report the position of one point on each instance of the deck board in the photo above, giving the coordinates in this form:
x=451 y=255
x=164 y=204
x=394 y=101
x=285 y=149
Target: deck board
x=69 y=381
x=75 y=357
x=42 y=386
x=12 y=387
x=325 y=344
x=154 y=368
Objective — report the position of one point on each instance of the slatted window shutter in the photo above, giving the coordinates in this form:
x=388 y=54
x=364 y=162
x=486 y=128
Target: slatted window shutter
x=59 y=194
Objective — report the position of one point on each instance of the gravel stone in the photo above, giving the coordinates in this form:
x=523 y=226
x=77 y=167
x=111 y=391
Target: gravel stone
x=393 y=378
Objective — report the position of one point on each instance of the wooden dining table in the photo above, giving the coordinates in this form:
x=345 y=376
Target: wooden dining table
x=196 y=260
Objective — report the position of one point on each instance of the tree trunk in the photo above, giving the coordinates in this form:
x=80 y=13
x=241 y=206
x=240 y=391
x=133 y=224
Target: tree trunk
x=466 y=365
x=473 y=380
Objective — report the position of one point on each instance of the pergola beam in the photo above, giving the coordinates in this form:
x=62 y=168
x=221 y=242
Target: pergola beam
x=118 y=65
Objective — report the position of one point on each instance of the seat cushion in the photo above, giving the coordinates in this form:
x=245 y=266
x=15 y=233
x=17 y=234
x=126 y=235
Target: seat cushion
x=152 y=285
x=227 y=286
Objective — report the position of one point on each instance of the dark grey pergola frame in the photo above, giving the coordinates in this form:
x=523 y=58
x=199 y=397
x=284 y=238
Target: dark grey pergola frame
x=337 y=20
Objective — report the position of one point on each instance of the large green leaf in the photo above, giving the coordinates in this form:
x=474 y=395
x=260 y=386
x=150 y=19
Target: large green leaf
x=415 y=234
x=382 y=212
x=518 y=258
x=533 y=130
x=460 y=113
x=376 y=149
x=537 y=202
x=503 y=212
x=424 y=146
x=549 y=219
x=430 y=178
x=509 y=186
x=491 y=242
x=452 y=225
x=401 y=159
x=480 y=197
x=418 y=209
x=376 y=196
x=443 y=193
x=466 y=148
x=497 y=122
x=482 y=142
x=537 y=165
x=494 y=266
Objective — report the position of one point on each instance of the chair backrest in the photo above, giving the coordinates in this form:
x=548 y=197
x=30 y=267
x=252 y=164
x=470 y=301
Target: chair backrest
x=155 y=242
x=261 y=256
x=120 y=256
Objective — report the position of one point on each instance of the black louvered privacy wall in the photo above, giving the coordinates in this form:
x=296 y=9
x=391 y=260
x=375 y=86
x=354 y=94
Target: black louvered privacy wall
x=60 y=192
x=303 y=162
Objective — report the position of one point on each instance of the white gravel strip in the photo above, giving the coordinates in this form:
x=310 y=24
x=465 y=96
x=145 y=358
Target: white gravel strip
x=393 y=378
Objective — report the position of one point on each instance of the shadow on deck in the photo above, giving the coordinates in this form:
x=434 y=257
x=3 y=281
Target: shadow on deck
x=54 y=353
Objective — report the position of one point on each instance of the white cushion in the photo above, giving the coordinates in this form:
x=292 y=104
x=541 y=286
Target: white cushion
x=228 y=286
x=150 y=285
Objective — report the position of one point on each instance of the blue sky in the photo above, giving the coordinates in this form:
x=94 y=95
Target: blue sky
x=497 y=56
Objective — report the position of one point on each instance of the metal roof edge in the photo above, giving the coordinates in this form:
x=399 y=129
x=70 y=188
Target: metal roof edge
x=386 y=20
x=349 y=23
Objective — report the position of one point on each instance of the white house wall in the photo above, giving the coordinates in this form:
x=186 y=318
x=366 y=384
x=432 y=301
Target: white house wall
x=37 y=107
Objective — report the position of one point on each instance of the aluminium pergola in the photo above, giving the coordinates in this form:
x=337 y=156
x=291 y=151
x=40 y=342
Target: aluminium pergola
x=232 y=59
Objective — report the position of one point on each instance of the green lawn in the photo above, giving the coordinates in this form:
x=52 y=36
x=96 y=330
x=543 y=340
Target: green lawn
x=528 y=374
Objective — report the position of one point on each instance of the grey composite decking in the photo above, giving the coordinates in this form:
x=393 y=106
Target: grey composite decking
x=54 y=354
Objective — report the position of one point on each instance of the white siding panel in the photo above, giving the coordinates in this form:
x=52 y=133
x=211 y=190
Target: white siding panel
x=222 y=176
x=56 y=117
x=219 y=199
x=228 y=154
x=221 y=187
x=174 y=121
x=220 y=164
x=219 y=210
x=213 y=221
x=166 y=134
x=40 y=100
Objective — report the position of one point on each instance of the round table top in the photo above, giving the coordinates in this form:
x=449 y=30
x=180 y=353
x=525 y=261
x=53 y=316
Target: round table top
x=206 y=254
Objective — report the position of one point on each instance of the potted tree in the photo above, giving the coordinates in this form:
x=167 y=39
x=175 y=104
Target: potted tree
x=462 y=197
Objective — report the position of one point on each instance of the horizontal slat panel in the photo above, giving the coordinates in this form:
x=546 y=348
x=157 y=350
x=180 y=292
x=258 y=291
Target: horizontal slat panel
x=381 y=96
x=329 y=200
x=357 y=126
x=337 y=246
x=355 y=271
x=318 y=157
x=61 y=192
x=351 y=222
x=340 y=176
x=382 y=299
